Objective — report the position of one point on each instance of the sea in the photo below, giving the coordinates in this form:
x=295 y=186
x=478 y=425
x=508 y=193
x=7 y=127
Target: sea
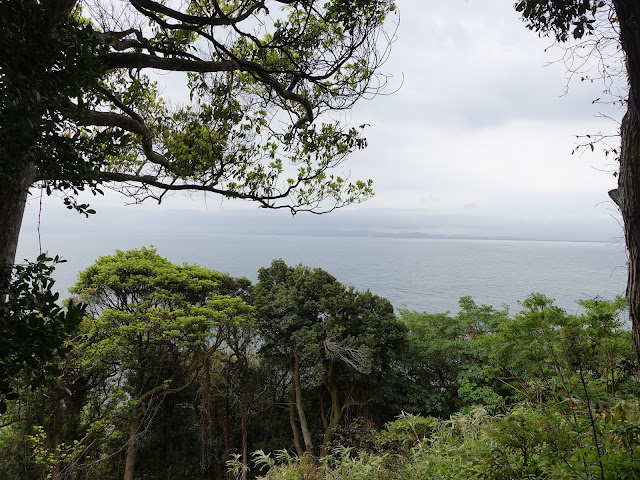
x=421 y=274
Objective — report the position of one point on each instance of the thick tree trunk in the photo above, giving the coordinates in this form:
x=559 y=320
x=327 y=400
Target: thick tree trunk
x=13 y=198
x=628 y=199
x=627 y=196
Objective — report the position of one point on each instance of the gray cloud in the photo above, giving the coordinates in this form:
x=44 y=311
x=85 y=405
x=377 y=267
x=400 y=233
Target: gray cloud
x=476 y=142
x=150 y=223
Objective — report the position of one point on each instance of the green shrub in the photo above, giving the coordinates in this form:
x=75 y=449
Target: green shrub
x=406 y=432
x=527 y=442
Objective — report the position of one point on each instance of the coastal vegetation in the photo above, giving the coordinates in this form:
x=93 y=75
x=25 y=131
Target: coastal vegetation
x=178 y=371
x=163 y=371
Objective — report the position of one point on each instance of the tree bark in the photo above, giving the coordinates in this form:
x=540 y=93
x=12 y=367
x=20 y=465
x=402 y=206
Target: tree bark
x=245 y=443
x=306 y=435
x=294 y=425
x=627 y=196
x=628 y=199
x=134 y=443
x=13 y=198
x=56 y=433
x=15 y=188
x=335 y=415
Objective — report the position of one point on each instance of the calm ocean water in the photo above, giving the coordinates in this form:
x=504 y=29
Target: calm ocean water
x=419 y=274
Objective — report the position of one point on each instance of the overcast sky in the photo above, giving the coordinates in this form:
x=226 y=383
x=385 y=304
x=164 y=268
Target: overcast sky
x=476 y=141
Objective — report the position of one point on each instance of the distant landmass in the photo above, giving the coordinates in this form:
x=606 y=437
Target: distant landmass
x=376 y=234
x=362 y=223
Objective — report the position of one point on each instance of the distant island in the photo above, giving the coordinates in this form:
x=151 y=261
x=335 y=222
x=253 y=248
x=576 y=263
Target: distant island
x=435 y=236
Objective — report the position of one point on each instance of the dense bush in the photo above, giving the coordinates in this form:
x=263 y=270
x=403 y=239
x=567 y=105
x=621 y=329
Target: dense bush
x=525 y=443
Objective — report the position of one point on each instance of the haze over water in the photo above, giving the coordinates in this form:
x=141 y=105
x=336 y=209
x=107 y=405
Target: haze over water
x=419 y=274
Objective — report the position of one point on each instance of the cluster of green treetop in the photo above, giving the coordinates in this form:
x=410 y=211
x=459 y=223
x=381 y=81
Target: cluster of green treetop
x=178 y=371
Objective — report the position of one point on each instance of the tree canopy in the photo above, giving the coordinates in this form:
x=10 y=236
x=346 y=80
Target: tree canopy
x=324 y=333
x=76 y=105
x=155 y=327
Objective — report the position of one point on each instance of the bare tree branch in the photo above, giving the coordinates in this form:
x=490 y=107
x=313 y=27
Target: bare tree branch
x=111 y=119
x=154 y=182
x=195 y=19
x=141 y=60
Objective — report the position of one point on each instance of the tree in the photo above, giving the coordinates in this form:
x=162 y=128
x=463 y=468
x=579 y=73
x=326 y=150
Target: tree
x=155 y=325
x=362 y=341
x=147 y=324
x=446 y=356
x=326 y=335
x=544 y=353
x=576 y=18
x=575 y=369
x=76 y=110
x=289 y=302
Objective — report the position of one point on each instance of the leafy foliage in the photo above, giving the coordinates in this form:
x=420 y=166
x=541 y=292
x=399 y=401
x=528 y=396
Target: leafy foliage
x=75 y=104
x=330 y=336
x=560 y=17
x=33 y=327
x=447 y=356
x=151 y=328
x=548 y=355
x=576 y=418
x=154 y=322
